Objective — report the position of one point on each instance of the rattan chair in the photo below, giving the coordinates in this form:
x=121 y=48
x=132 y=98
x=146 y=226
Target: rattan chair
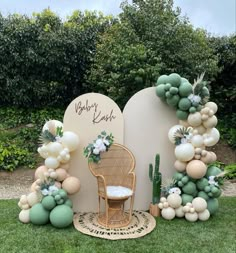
x=115 y=172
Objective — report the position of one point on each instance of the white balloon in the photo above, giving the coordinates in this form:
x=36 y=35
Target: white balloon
x=212 y=137
x=70 y=140
x=54 y=148
x=24 y=216
x=184 y=152
x=197 y=141
x=51 y=162
x=213 y=106
x=172 y=132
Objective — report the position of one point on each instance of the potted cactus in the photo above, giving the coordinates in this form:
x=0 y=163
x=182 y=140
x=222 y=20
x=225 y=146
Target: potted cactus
x=155 y=178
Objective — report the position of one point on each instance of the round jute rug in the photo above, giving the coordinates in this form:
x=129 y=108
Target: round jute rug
x=141 y=224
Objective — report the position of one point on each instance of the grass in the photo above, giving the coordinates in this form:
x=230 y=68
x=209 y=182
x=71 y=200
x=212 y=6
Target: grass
x=216 y=235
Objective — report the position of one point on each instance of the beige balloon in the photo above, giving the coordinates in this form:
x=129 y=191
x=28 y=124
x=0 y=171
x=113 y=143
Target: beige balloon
x=196 y=169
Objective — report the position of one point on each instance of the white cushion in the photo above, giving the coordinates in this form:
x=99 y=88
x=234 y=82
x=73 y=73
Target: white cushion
x=118 y=191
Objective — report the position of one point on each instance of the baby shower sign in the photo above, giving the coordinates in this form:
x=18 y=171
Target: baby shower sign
x=87 y=116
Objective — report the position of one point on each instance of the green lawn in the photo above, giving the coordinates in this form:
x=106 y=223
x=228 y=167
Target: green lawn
x=216 y=235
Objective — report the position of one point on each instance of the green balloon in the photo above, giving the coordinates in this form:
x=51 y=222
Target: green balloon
x=62 y=193
x=174 y=90
x=212 y=205
x=69 y=203
x=212 y=171
x=61 y=216
x=178 y=176
x=205 y=92
x=186 y=199
x=189 y=188
x=217 y=194
x=192 y=109
x=184 y=80
x=173 y=101
x=184 y=104
x=185 y=179
x=167 y=86
x=174 y=79
x=182 y=115
x=48 y=202
x=203 y=195
x=185 y=89
x=160 y=91
x=162 y=79
x=168 y=95
x=180 y=184
x=39 y=215
x=202 y=183
x=207 y=189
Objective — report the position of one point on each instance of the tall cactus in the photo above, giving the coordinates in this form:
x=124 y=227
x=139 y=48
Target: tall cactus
x=155 y=178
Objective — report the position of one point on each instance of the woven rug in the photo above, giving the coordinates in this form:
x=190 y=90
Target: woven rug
x=141 y=224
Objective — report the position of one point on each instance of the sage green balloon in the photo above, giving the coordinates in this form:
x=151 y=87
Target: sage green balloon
x=186 y=198
x=190 y=188
x=213 y=171
x=69 y=203
x=167 y=86
x=173 y=101
x=178 y=176
x=202 y=183
x=49 y=202
x=185 y=89
x=174 y=79
x=203 y=195
x=174 y=90
x=182 y=115
x=184 y=104
x=61 y=216
x=39 y=215
x=212 y=205
x=185 y=179
x=192 y=109
x=160 y=90
x=162 y=79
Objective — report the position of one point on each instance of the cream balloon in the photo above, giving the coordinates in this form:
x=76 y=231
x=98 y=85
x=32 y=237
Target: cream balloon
x=180 y=166
x=213 y=106
x=168 y=213
x=172 y=132
x=201 y=129
x=204 y=216
x=197 y=141
x=51 y=162
x=195 y=119
x=34 y=198
x=210 y=122
x=191 y=216
x=70 y=140
x=184 y=123
x=184 y=152
x=61 y=174
x=54 y=148
x=179 y=212
x=199 y=204
x=24 y=216
x=174 y=200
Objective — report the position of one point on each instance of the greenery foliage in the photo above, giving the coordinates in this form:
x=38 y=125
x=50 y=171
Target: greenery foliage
x=179 y=234
x=43 y=60
x=20 y=130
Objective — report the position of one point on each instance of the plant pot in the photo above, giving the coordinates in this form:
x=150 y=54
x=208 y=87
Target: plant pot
x=154 y=210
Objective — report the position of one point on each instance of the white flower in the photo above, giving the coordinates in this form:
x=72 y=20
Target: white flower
x=58 y=138
x=175 y=190
x=45 y=192
x=211 y=180
x=106 y=142
x=52 y=188
x=100 y=145
x=194 y=98
x=96 y=151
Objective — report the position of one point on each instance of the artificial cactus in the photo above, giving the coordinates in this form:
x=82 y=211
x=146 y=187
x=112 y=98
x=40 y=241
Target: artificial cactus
x=155 y=177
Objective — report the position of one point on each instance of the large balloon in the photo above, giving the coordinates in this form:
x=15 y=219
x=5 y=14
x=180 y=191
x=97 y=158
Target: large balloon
x=196 y=169
x=51 y=162
x=56 y=123
x=184 y=152
x=70 y=140
x=71 y=185
x=211 y=137
x=61 y=216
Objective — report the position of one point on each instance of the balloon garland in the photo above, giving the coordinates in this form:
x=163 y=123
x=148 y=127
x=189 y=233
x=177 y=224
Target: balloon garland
x=48 y=199
x=195 y=187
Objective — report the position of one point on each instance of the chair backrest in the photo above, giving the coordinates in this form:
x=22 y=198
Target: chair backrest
x=116 y=163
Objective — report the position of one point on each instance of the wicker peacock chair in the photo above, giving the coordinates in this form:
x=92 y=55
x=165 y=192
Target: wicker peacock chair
x=116 y=184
